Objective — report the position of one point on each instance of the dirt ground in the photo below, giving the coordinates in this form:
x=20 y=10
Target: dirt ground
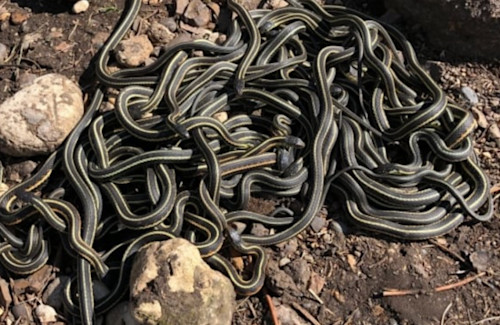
x=352 y=269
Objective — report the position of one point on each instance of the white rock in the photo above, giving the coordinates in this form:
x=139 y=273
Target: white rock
x=38 y=118
x=46 y=313
x=80 y=6
x=171 y=284
x=470 y=95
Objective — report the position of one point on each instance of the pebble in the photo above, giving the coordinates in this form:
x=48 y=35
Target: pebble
x=46 y=313
x=5 y=296
x=160 y=33
x=284 y=261
x=317 y=223
x=180 y=6
x=4 y=16
x=37 y=119
x=134 y=51
x=470 y=95
x=19 y=17
x=80 y=6
x=288 y=316
x=22 y=310
x=170 y=23
x=480 y=260
x=300 y=271
x=197 y=13
x=4 y=53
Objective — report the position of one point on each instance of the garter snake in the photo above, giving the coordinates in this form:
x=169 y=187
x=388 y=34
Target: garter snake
x=317 y=99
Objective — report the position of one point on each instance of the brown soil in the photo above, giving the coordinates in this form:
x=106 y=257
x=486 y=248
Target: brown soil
x=357 y=267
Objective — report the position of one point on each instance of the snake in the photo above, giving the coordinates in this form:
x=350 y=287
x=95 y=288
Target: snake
x=322 y=103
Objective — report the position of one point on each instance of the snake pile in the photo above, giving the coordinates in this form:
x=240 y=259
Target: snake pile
x=297 y=103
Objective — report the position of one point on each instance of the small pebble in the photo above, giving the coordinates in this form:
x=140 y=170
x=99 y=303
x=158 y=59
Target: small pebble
x=317 y=223
x=134 y=51
x=4 y=16
x=46 y=313
x=284 y=261
x=470 y=95
x=80 y=6
x=4 y=53
x=18 y=17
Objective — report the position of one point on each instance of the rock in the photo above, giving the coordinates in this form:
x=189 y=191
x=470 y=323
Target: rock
x=317 y=223
x=494 y=133
x=152 y=2
x=470 y=95
x=160 y=33
x=259 y=230
x=250 y=4
x=221 y=116
x=4 y=53
x=480 y=260
x=22 y=310
x=120 y=315
x=4 y=15
x=80 y=6
x=37 y=119
x=197 y=13
x=29 y=40
x=19 y=17
x=45 y=314
x=288 y=316
x=214 y=6
x=316 y=283
x=5 y=296
x=171 y=284
x=300 y=271
x=25 y=79
x=481 y=120
x=278 y=281
x=134 y=51
x=180 y=6
x=3 y=188
x=170 y=23
x=17 y=172
x=53 y=294
x=473 y=24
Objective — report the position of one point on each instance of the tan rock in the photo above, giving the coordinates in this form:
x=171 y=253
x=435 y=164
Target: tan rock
x=19 y=17
x=180 y=6
x=160 y=33
x=38 y=118
x=134 y=51
x=171 y=284
x=197 y=13
x=80 y=6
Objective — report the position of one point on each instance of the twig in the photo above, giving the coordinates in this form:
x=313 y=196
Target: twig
x=315 y=295
x=495 y=188
x=305 y=313
x=447 y=250
x=396 y=292
x=252 y=310
x=272 y=310
x=487 y=320
x=446 y=310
